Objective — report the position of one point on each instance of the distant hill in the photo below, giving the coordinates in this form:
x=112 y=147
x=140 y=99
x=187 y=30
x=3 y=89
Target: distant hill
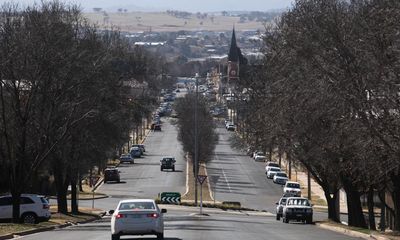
x=171 y=21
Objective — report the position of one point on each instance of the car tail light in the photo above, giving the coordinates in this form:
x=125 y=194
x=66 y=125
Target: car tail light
x=153 y=215
x=119 y=215
x=45 y=206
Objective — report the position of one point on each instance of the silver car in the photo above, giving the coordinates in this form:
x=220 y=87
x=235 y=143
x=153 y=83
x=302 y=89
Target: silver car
x=137 y=217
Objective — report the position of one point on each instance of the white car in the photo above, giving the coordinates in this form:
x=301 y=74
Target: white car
x=279 y=207
x=260 y=158
x=299 y=209
x=258 y=153
x=270 y=164
x=272 y=171
x=280 y=178
x=34 y=208
x=137 y=217
x=292 y=188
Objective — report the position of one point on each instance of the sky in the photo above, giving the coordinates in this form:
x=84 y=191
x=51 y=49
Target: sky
x=182 y=5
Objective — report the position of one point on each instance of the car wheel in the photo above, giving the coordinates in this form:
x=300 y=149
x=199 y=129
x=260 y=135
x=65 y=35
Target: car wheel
x=309 y=220
x=173 y=169
x=114 y=237
x=29 y=218
x=160 y=236
x=278 y=217
x=162 y=169
x=286 y=220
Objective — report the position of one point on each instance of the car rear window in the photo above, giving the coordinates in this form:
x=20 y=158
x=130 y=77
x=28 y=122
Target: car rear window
x=44 y=200
x=5 y=201
x=275 y=169
x=137 y=206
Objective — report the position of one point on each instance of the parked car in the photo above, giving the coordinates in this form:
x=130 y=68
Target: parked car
x=34 y=208
x=270 y=164
x=230 y=127
x=135 y=152
x=260 y=158
x=272 y=171
x=168 y=163
x=257 y=153
x=292 y=188
x=137 y=217
x=297 y=208
x=141 y=147
x=280 y=178
x=126 y=158
x=279 y=207
x=111 y=174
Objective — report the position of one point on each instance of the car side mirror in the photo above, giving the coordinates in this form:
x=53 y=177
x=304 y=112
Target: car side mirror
x=277 y=203
x=111 y=212
x=163 y=210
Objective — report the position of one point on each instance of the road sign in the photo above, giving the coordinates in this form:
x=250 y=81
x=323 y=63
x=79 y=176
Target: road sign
x=170 y=197
x=201 y=178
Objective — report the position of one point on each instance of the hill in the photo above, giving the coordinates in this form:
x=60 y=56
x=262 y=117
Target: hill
x=168 y=22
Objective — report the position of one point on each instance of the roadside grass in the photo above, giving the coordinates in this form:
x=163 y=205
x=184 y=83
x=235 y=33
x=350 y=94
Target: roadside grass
x=55 y=220
x=357 y=229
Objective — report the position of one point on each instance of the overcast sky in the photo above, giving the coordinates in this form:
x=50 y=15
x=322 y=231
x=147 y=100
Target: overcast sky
x=183 y=5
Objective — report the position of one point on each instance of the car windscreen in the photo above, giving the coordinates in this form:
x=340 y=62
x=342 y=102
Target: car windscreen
x=273 y=165
x=281 y=175
x=137 y=206
x=275 y=169
x=293 y=185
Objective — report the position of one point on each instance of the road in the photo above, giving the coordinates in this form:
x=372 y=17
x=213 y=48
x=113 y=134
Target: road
x=241 y=179
x=180 y=223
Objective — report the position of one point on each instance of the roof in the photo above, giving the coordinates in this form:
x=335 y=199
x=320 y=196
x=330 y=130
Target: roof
x=136 y=200
x=292 y=182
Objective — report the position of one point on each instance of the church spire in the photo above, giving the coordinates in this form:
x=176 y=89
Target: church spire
x=233 y=55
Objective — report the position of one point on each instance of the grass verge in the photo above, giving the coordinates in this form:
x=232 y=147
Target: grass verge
x=55 y=220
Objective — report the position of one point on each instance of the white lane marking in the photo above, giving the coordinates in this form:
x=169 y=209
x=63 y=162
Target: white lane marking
x=223 y=173
x=226 y=180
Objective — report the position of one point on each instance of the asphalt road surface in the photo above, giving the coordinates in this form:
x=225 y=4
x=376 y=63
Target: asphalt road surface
x=180 y=223
x=240 y=179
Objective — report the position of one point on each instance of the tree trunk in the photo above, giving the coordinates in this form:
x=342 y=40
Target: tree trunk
x=371 y=214
x=62 y=181
x=333 y=211
x=396 y=201
x=382 y=224
x=74 y=201
x=356 y=216
x=16 y=201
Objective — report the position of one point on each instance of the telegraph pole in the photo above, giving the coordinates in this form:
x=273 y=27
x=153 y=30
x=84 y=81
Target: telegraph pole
x=196 y=148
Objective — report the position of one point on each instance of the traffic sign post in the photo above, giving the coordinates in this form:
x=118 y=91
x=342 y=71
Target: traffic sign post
x=201 y=179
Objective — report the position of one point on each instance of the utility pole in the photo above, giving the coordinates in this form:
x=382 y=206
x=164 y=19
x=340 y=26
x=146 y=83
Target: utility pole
x=196 y=149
